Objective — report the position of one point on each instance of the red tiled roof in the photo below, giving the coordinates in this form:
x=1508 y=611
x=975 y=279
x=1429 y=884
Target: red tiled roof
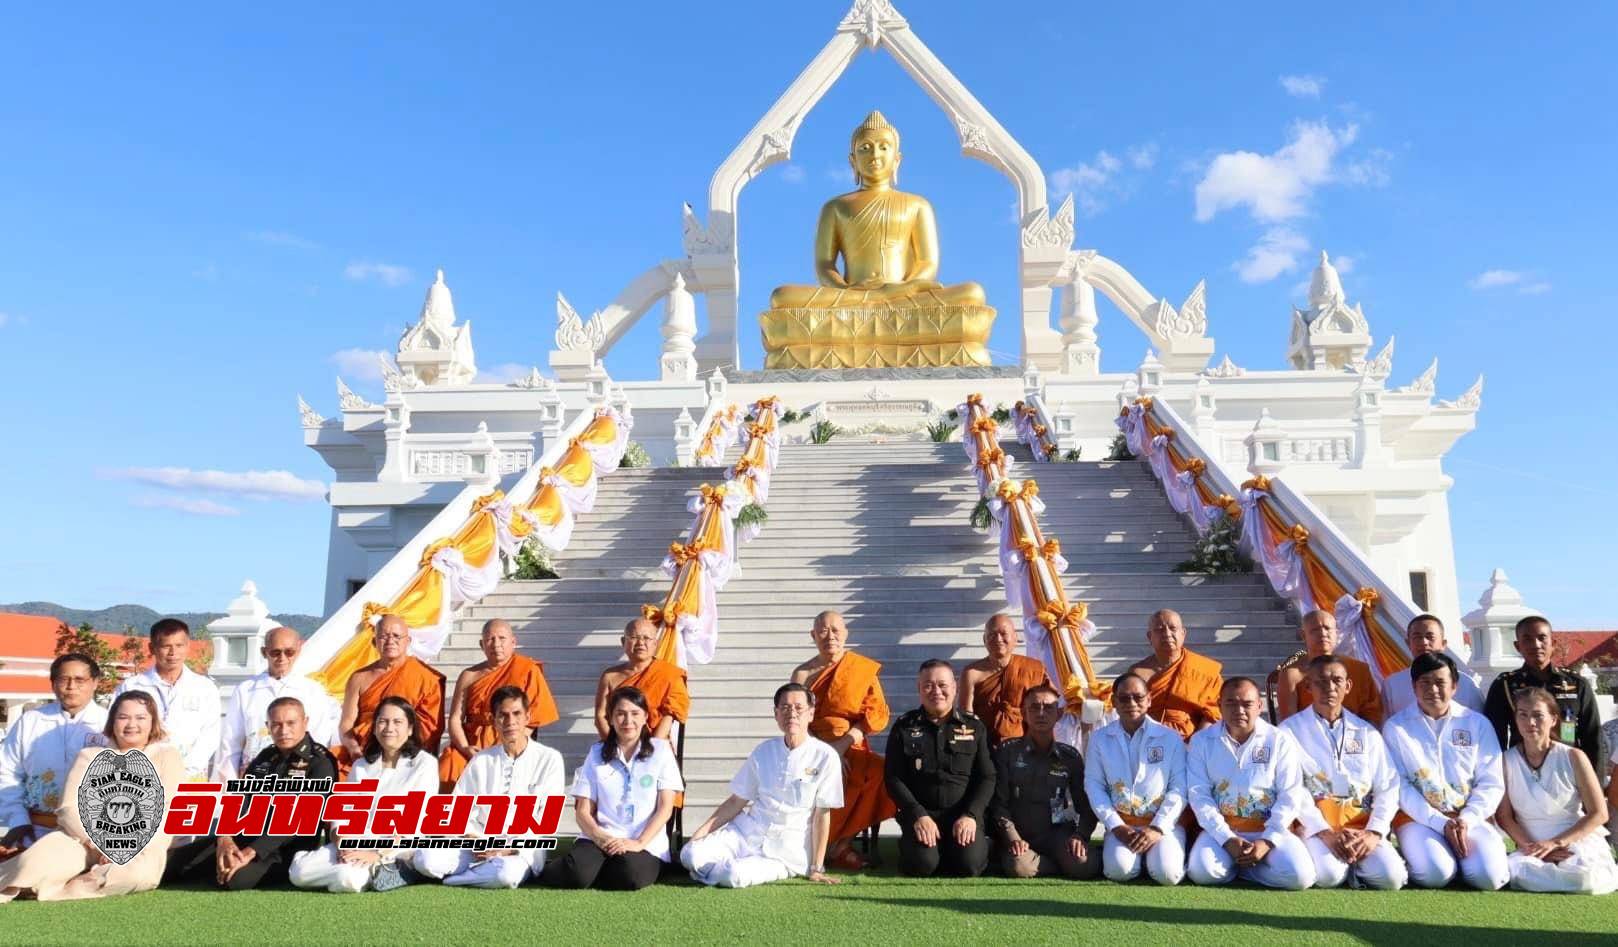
x=1578 y=647
x=34 y=636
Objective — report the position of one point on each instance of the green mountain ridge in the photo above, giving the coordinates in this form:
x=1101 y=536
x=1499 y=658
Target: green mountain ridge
x=119 y=618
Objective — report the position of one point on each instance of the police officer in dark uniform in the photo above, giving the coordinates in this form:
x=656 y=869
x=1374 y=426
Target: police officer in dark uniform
x=941 y=778
x=239 y=862
x=1581 y=721
x=1040 y=817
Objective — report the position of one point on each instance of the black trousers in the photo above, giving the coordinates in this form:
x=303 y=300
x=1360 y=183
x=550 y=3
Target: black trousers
x=198 y=861
x=586 y=866
x=946 y=858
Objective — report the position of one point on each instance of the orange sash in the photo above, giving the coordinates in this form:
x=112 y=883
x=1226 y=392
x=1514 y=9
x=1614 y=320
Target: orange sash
x=415 y=681
x=997 y=697
x=477 y=721
x=849 y=694
x=663 y=684
x=1185 y=695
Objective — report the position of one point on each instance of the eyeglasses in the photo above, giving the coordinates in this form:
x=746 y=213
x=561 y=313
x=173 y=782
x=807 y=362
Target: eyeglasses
x=1129 y=698
x=793 y=710
x=288 y=652
x=1044 y=708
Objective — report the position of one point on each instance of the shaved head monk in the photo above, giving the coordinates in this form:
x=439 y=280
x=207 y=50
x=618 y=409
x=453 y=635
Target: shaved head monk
x=849 y=709
x=471 y=722
x=1184 y=685
x=1292 y=688
x=667 y=698
x=395 y=673
x=992 y=687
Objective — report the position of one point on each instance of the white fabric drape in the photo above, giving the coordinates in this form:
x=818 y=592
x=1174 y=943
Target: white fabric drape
x=1355 y=638
x=1282 y=564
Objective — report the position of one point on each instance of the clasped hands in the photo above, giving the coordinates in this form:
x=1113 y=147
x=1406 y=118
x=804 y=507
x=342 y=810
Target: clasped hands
x=1349 y=845
x=1137 y=840
x=1247 y=854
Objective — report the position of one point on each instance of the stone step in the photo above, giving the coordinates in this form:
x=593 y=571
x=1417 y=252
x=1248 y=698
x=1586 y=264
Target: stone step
x=809 y=592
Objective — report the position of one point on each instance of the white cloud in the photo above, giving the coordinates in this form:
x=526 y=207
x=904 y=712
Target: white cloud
x=5 y=317
x=1344 y=264
x=388 y=274
x=1371 y=170
x=1273 y=187
x=1526 y=284
x=1490 y=279
x=280 y=238
x=1143 y=157
x=193 y=505
x=252 y=484
x=793 y=174
x=1088 y=182
x=1303 y=87
x=360 y=364
x=1278 y=251
x=503 y=374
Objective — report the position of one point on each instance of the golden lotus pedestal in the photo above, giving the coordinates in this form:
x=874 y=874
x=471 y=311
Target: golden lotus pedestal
x=897 y=337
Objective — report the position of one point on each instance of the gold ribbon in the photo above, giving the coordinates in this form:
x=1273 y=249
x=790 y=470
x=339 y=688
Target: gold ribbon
x=1054 y=616
x=1228 y=503
x=712 y=495
x=756 y=430
x=1164 y=433
x=657 y=616
x=545 y=473
x=1197 y=466
x=1008 y=490
x=370 y=611
x=683 y=553
x=991 y=457
x=1039 y=430
x=983 y=426
x=1049 y=448
x=1368 y=598
x=1145 y=403
x=487 y=499
x=976 y=399
x=1299 y=535
x=1259 y=482
x=432 y=550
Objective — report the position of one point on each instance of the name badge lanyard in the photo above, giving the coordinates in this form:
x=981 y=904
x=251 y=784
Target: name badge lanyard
x=1339 y=778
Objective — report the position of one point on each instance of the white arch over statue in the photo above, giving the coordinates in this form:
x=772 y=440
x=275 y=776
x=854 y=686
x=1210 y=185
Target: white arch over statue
x=1045 y=255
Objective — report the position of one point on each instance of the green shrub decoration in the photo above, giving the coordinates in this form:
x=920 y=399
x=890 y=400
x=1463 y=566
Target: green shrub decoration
x=635 y=456
x=752 y=514
x=1120 y=448
x=940 y=431
x=1216 y=551
x=1072 y=456
x=534 y=562
x=982 y=519
x=822 y=431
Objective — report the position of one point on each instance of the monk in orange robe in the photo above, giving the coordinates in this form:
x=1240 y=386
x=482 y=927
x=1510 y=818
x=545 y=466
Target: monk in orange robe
x=1183 y=685
x=396 y=673
x=663 y=683
x=992 y=687
x=471 y=720
x=1292 y=691
x=849 y=710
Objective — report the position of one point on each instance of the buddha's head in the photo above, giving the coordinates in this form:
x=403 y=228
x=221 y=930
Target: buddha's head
x=873 y=151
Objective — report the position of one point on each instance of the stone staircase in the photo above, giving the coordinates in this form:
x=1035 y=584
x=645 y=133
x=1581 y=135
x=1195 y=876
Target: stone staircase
x=879 y=532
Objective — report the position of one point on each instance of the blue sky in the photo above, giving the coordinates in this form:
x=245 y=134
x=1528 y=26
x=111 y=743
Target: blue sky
x=209 y=209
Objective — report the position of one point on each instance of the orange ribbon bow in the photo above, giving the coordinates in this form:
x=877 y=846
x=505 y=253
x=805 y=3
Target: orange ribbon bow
x=976 y=399
x=658 y=616
x=1299 y=535
x=1368 y=598
x=485 y=501
x=1259 y=482
x=1197 y=466
x=1054 y=616
x=683 y=553
x=432 y=550
x=712 y=495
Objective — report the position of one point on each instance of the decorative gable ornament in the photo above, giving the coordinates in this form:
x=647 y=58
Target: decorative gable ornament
x=435 y=351
x=1330 y=335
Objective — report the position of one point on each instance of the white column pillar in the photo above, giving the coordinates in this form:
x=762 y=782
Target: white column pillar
x=1080 y=354
x=395 y=425
x=1493 y=625
x=1264 y=447
x=679 y=361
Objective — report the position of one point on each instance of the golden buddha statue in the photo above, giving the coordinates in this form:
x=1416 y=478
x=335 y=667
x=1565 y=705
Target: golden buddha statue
x=885 y=307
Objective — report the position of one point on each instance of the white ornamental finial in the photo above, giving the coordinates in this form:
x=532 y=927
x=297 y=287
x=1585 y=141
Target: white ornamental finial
x=1325 y=287
x=308 y=415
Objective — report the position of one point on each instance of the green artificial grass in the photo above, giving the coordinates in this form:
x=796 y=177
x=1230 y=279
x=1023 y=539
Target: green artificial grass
x=874 y=908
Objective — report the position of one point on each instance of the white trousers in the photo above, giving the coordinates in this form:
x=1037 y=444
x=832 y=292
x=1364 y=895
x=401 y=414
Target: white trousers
x=1433 y=863
x=456 y=866
x=1591 y=870
x=1287 y=866
x=1164 y=862
x=1382 y=869
x=320 y=868
x=731 y=858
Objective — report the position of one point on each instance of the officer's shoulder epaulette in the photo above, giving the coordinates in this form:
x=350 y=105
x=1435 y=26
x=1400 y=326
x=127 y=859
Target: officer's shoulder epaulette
x=1066 y=751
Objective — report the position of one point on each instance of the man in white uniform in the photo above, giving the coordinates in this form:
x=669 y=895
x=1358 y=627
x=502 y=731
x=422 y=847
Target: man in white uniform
x=1425 y=635
x=1245 y=782
x=1451 y=783
x=1352 y=785
x=1135 y=778
x=776 y=822
x=39 y=750
x=516 y=766
x=188 y=702
x=244 y=731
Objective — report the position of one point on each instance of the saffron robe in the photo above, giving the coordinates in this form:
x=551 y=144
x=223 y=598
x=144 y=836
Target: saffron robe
x=477 y=721
x=663 y=683
x=1364 y=698
x=417 y=682
x=1185 y=695
x=848 y=694
x=997 y=697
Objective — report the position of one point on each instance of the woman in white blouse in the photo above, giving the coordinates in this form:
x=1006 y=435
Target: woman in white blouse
x=395 y=759
x=1553 y=808
x=623 y=797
